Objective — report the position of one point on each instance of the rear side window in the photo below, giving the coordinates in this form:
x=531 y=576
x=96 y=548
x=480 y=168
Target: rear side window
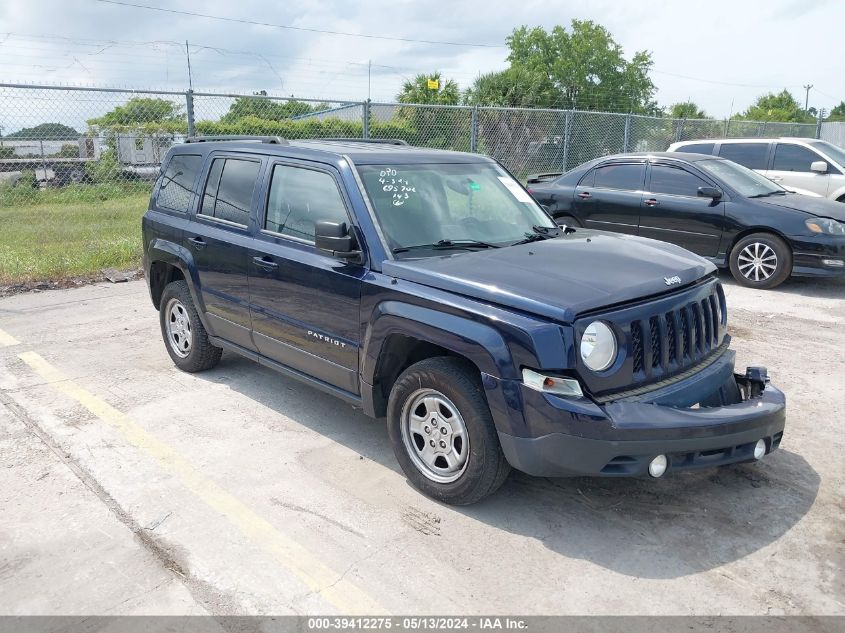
x=299 y=198
x=793 y=158
x=177 y=182
x=628 y=177
x=674 y=181
x=751 y=155
x=228 y=191
x=697 y=148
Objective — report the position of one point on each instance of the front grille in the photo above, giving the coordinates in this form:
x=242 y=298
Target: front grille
x=676 y=339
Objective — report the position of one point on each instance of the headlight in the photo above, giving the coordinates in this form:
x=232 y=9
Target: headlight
x=825 y=225
x=551 y=384
x=598 y=346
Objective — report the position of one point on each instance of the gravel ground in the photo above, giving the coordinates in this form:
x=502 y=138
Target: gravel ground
x=240 y=491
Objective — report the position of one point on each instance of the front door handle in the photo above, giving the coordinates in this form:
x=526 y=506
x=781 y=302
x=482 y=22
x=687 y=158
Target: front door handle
x=776 y=178
x=265 y=262
x=198 y=242
x=651 y=202
x=585 y=195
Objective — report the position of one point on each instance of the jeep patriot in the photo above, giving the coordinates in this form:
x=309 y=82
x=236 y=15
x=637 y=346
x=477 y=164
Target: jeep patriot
x=428 y=288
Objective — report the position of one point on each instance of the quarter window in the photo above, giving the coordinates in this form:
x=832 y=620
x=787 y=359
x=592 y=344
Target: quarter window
x=697 y=148
x=299 y=198
x=228 y=192
x=624 y=176
x=674 y=181
x=177 y=182
x=751 y=155
x=793 y=158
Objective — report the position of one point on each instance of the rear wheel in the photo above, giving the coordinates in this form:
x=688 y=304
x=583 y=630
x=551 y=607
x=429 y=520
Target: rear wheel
x=442 y=432
x=567 y=220
x=761 y=260
x=184 y=335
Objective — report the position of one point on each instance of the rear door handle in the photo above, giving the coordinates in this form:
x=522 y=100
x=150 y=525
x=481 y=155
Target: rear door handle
x=265 y=262
x=776 y=178
x=651 y=202
x=198 y=242
x=585 y=195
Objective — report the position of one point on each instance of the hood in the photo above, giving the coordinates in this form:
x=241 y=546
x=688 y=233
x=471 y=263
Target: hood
x=822 y=207
x=559 y=278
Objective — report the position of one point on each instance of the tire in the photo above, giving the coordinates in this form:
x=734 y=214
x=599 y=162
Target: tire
x=466 y=463
x=184 y=335
x=761 y=260
x=567 y=220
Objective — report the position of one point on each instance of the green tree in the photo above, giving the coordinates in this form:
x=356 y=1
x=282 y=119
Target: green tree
x=777 y=107
x=837 y=113
x=585 y=66
x=417 y=90
x=267 y=109
x=686 y=110
x=141 y=110
x=512 y=88
x=45 y=131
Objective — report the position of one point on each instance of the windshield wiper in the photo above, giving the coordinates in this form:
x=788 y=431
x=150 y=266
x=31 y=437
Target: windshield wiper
x=446 y=244
x=540 y=233
x=779 y=192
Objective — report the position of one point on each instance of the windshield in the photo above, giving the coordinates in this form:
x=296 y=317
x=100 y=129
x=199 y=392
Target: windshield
x=426 y=204
x=744 y=181
x=832 y=151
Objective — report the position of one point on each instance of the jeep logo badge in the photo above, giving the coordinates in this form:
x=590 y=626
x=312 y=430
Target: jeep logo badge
x=670 y=281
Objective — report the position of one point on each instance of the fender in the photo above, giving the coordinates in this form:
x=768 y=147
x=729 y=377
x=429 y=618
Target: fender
x=479 y=343
x=171 y=253
x=836 y=194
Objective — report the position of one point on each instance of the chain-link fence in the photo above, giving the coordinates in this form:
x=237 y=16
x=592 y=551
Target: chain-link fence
x=86 y=143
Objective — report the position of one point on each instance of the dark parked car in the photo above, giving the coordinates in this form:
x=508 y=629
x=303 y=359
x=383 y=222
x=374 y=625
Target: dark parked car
x=716 y=208
x=429 y=288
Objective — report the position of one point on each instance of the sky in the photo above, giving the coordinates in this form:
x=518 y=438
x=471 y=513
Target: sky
x=719 y=54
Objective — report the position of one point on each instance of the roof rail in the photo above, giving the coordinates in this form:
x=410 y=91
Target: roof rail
x=380 y=141
x=275 y=140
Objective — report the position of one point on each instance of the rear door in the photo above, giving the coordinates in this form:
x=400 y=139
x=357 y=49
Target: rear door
x=791 y=168
x=752 y=155
x=673 y=211
x=304 y=303
x=609 y=196
x=219 y=240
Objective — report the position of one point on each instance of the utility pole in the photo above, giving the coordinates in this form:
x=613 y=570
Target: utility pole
x=190 y=79
x=369 y=75
x=807 y=96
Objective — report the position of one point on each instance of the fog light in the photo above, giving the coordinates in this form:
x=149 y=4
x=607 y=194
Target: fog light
x=658 y=465
x=759 y=449
x=835 y=263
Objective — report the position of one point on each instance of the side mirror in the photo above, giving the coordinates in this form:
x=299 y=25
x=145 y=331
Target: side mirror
x=334 y=238
x=710 y=192
x=818 y=166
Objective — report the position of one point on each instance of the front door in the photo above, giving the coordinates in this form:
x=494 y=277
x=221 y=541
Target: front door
x=219 y=240
x=609 y=196
x=673 y=211
x=791 y=168
x=304 y=303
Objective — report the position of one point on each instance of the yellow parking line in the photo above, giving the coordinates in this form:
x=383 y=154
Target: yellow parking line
x=7 y=340
x=319 y=578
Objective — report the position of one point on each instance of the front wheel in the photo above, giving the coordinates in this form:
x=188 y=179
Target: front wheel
x=442 y=432
x=761 y=260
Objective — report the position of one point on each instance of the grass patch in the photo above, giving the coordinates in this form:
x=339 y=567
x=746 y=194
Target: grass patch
x=61 y=235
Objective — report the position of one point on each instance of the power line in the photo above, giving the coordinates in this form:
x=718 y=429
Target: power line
x=298 y=28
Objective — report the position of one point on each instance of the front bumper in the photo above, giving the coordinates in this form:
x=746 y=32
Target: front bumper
x=622 y=437
x=818 y=256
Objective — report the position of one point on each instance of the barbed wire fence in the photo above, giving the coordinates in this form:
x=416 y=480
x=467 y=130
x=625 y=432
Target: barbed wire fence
x=90 y=143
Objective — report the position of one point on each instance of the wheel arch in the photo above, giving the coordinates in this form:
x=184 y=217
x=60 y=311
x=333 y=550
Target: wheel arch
x=167 y=262
x=750 y=231
x=401 y=334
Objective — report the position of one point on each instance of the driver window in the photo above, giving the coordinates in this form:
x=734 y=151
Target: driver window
x=299 y=198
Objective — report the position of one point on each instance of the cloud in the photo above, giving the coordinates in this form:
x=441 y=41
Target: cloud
x=780 y=43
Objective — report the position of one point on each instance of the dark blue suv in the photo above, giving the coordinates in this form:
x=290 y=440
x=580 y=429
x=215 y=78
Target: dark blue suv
x=429 y=288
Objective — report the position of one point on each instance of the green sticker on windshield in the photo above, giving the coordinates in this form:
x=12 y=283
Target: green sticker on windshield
x=474 y=185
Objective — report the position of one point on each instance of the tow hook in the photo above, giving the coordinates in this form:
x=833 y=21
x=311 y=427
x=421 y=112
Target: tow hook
x=757 y=377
